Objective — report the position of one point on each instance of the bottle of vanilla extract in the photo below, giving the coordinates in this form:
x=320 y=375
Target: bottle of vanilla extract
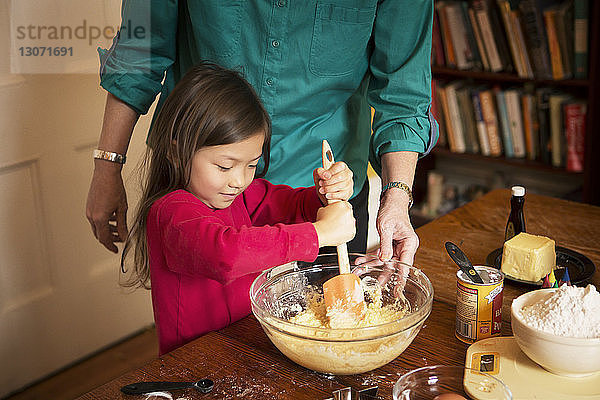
x=516 y=220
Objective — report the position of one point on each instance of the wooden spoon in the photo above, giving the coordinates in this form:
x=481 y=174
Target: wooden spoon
x=343 y=294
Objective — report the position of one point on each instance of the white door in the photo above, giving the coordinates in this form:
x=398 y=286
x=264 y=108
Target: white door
x=59 y=293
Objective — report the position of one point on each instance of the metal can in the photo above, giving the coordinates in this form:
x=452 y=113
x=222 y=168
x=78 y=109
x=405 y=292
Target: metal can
x=479 y=305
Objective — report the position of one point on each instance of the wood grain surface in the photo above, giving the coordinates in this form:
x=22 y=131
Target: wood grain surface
x=244 y=364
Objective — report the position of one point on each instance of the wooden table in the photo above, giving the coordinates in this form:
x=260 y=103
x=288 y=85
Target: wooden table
x=244 y=364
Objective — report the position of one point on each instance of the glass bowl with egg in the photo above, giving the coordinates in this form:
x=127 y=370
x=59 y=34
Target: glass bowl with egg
x=445 y=382
x=288 y=303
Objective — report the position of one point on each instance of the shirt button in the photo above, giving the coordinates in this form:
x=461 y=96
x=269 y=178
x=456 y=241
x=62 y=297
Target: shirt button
x=270 y=82
x=281 y=3
x=275 y=43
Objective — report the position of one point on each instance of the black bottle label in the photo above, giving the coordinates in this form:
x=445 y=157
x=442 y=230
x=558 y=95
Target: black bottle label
x=510 y=231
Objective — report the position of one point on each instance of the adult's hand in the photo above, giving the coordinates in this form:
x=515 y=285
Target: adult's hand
x=106 y=207
x=397 y=236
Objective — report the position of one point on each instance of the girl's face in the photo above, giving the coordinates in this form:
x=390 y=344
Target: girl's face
x=220 y=173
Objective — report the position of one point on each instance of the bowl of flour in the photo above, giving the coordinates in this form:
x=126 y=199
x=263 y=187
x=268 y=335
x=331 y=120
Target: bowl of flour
x=560 y=329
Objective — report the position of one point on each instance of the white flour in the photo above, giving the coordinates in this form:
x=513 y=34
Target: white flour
x=570 y=311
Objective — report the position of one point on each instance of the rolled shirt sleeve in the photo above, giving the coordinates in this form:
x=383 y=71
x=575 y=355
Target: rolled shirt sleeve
x=400 y=87
x=143 y=49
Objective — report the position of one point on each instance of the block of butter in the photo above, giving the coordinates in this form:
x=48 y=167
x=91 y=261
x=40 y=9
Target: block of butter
x=528 y=257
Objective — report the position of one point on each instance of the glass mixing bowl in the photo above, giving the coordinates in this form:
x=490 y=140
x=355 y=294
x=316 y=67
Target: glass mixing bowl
x=282 y=292
x=449 y=383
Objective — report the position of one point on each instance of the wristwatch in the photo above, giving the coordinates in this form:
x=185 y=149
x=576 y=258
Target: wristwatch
x=402 y=186
x=109 y=156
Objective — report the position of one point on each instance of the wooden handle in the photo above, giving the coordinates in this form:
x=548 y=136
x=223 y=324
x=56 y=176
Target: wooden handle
x=342 y=249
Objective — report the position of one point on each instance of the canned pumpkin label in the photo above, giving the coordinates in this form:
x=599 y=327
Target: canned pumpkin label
x=479 y=306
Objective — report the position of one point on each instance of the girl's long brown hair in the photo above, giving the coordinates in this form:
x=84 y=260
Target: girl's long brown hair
x=210 y=106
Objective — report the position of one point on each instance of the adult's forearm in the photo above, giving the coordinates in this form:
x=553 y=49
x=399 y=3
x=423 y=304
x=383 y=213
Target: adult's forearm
x=399 y=166
x=117 y=126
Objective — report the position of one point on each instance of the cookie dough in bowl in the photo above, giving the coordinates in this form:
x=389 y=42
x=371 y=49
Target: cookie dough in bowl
x=289 y=305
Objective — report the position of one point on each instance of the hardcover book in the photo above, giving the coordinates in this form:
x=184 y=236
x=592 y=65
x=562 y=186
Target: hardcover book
x=488 y=109
x=484 y=140
x=437 y=46
x=458 y=35
x=467 y=117
x=556 y=58
x=558 y=137
x=493 y=35
x=543 y=113
x=575 y=114
x=440 y=7
x=515 y=120
x=564 y=33
x=530 y=126
x=454 y=118
x=504 y=123
x=479 y=40
x=581 y=31
x=535 y=37
x=514 y=36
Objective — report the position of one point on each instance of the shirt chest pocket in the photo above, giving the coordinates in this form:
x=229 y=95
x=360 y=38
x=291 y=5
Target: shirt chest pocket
x=216 y=26
x=340 y=39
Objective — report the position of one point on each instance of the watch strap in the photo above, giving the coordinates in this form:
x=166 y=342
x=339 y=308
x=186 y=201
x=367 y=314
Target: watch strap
x=109 y=156
x=402 y=186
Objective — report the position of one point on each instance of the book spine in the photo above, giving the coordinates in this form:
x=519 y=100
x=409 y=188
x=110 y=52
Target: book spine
x=484 y=141
x=557 y=133
x=575 y=114
x=543 y=117
x=465 y=106
x=515 y=120
x=487 y=35
x=535 y=38
x=437 y=49
x=504 y=7
x=526 y=106
x=581 y=12
x=458 y=35
x=491 y=122
x=479 y=40
x=564 y=32
x=445 y=33
x=436 y=110
x=555 y=56
x=535 y=126
x=504 y=123
x=521 y=47
x=455 y=119
x=500 y=36
x=448 y=122
x=470 y=30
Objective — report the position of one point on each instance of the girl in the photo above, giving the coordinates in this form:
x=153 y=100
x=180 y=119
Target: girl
x=205 y=227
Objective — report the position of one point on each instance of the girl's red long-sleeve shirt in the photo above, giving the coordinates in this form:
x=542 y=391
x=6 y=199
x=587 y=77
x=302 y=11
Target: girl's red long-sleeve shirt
x=203 y=260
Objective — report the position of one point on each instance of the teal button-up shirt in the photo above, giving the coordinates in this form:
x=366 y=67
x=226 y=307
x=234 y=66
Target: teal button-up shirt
x=316 y=65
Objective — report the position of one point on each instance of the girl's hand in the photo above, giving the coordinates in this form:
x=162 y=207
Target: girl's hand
x=335 y=183
x=335 y=224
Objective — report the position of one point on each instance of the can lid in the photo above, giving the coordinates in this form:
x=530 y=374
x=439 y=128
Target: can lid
x=518 y=191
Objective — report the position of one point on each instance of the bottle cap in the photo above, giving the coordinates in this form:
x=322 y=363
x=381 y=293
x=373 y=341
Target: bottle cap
x=518 y=191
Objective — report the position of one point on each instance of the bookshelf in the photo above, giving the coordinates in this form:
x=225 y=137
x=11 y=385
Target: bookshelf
x=586 y=89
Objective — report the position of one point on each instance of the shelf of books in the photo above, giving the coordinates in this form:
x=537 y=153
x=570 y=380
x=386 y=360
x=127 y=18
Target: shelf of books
x=516 y=83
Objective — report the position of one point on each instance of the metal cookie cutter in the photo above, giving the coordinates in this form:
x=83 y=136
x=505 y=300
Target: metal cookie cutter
x=351 y=394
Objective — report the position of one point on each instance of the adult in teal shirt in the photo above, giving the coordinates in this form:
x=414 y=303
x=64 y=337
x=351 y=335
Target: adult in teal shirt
x=317 y=66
